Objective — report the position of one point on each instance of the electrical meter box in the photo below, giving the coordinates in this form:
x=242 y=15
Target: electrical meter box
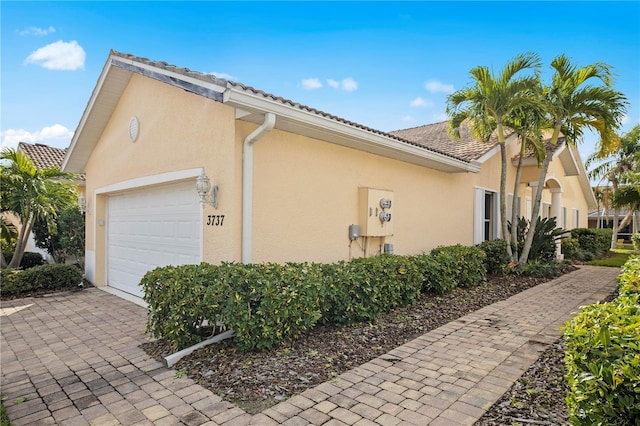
x=376 y=212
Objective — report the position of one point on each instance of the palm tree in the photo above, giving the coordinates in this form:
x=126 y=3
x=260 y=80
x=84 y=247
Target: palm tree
x=613 y=167
x=574 y=105
x=487 y=104
x=31 y=194
x=528 y=124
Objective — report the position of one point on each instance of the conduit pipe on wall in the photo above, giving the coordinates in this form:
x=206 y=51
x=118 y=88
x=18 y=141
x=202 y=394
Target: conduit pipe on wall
x=247 y=183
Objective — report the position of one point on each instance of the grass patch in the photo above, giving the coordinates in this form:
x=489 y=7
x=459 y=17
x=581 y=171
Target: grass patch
x=615 y=258
x=4 y=419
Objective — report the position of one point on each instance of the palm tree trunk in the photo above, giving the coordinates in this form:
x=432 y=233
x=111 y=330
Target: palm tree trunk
x=524 y=257
x=617 y=228
x=503 y=197
x=21 y=245
x=514 y=205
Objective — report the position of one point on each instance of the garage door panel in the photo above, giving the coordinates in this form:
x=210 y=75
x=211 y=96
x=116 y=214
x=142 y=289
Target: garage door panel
x=149 y=228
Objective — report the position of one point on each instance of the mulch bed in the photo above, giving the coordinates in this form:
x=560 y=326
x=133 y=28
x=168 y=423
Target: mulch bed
x=257 y=380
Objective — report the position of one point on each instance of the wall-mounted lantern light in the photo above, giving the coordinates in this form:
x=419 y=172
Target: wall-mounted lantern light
x=206 y=192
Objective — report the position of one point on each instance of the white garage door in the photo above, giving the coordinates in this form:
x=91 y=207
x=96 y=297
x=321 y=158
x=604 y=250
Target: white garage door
x=148 y=228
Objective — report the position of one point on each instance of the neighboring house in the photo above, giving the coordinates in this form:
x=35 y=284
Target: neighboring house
x=291 y=180
x=605 y=218
x=43 y=156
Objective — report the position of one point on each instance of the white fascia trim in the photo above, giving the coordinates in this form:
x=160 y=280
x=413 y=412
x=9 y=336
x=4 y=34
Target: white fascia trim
x=151 y=180
x=178 y=76
x=260 y=104
x=86 y=113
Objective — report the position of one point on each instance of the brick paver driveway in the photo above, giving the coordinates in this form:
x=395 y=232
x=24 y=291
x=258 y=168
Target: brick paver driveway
x=74 y=359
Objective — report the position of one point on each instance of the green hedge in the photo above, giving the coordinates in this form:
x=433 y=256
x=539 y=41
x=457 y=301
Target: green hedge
x=29 y=259
x=270 y=303
x=595 y=241
x=267 y=304
x=496 y=256
x=465 y=264
x=365 y=288
x=603 y=357
x=43 y=277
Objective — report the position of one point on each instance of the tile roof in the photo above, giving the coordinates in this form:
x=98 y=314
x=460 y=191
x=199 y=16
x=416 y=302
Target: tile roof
x=435 y=136
x=447 y=149
x=43 y=156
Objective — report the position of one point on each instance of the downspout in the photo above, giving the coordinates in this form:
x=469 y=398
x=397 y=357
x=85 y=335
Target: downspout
x=247 y=183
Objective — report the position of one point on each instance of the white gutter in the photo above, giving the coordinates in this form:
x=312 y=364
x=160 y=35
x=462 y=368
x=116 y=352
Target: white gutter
x=247 y=183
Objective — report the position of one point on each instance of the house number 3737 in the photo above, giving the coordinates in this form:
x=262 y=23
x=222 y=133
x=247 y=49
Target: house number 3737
x=215 y=219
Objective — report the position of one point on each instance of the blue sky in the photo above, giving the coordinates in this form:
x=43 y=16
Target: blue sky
x=387 y=65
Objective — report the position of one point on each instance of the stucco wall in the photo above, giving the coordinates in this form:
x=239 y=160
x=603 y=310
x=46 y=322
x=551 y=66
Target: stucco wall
x=306 y=196
x=178 y=131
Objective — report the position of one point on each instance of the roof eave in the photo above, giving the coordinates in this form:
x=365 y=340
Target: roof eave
x=112 y=82
x=290 y=118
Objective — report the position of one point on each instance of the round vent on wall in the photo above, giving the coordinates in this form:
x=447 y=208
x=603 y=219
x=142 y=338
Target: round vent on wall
x=134 y=128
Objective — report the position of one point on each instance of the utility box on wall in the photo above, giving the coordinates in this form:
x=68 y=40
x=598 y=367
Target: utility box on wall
x=376 y=212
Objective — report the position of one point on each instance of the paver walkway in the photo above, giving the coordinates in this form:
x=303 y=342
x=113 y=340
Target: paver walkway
x=74 y=360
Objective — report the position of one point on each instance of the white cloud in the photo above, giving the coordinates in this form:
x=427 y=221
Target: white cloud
x=56 y=135
x=408 y=119
x=420 y=102
x=434 y=86
x=59 y=56
x=333 y=83
x=223 y=75
x=36 y=31
x=311 y=83
x=349 y=84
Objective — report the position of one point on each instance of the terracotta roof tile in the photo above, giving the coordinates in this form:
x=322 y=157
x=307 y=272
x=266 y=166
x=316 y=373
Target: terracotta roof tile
x=435 y=136
x=43 y=156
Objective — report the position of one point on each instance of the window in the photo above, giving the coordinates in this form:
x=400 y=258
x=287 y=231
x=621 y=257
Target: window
x=488 y=215
x=486 y=222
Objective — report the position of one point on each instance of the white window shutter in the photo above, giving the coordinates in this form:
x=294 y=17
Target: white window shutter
x=497 y=229
x=478 y=216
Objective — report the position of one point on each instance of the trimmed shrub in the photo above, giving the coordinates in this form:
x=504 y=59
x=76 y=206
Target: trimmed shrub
x=10 y=282
x=596 y=241
x=43 y=277
x=540 y=269
x=29 y=259
x=571 y=249
x=635 y=239
x=464 y=264
x=365 y=288
x=179 y=298
x=270 y=303
x=496 y=256
x=602 y=357
x=629 y=279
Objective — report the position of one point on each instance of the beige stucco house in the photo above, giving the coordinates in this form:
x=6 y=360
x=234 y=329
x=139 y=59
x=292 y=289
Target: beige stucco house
x=291 y=180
